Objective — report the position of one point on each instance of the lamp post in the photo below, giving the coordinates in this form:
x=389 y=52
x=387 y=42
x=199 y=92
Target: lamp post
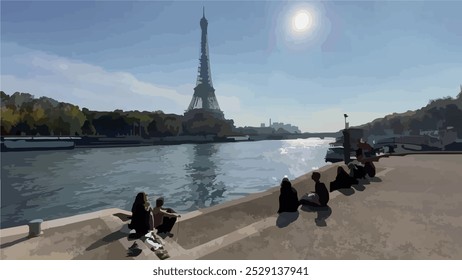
x=346 y=142
x=346 y=116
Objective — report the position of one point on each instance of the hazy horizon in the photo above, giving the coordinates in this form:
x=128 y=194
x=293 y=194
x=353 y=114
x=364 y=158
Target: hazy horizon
x=366 y=59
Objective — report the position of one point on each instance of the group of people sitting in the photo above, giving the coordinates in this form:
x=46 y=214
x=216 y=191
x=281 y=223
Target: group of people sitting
x=145 y=219
x=359 y=169
x=288 y=198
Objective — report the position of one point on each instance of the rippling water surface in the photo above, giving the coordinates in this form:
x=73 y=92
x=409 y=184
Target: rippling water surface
x=55 y=184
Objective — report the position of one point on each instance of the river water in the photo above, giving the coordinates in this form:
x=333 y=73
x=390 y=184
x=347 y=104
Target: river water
x=56 y=184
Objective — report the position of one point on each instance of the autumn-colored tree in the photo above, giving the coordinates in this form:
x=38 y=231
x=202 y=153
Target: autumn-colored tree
x=164 y=125
x=207 y=124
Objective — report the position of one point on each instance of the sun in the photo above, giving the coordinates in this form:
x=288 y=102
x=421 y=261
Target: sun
x=301 y=21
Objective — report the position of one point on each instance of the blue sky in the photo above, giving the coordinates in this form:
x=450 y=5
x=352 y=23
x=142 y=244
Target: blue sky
x=366 y=59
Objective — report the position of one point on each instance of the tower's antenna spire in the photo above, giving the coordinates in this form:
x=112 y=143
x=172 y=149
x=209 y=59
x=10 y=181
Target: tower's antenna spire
x=203 y=11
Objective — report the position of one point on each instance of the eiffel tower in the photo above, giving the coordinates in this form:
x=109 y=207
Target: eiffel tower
x=204 y=99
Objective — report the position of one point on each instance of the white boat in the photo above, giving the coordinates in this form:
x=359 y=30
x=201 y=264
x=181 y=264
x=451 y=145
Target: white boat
x=37 y=143
x=239 y=138
x=334 y=154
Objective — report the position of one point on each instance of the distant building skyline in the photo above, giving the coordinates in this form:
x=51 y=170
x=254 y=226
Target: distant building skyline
x=287 y=127
x=277 y=125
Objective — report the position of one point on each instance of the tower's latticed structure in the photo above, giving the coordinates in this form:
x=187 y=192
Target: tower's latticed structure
x=204 y=99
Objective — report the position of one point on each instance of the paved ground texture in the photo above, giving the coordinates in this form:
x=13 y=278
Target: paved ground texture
x=410 y=210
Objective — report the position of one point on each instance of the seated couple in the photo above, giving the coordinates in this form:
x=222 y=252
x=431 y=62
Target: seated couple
x=359 y=168
x=343 y=180
x=362 y=166
x=288 y=198
x=145 y=219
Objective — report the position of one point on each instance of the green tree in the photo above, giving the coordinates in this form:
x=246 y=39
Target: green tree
x=88 y=128
x=164 y=125
x=207 y=124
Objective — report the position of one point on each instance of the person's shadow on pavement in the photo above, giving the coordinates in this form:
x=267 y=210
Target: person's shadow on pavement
x=322 y=214
x=110 y=238
x=286 y=218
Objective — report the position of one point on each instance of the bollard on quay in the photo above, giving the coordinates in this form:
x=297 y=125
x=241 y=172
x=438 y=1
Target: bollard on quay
x=35 y=227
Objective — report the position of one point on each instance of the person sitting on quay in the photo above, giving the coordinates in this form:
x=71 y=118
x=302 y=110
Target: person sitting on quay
x=362 y=166
x=369 y=166
x=365 y=147
x=320 y=196
x=342 y=180
x=288 y=198
x=141 y=220
x=164 y=218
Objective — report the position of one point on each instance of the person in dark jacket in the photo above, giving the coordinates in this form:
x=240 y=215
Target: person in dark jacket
x=320 y=189
x=320 y=197
x=362 y=166
x=141 y=215
x=369 y=167
x=342 y=180
x=288 y=198
x=356 y=166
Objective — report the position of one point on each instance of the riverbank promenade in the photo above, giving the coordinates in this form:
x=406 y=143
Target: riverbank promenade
x=410 y=210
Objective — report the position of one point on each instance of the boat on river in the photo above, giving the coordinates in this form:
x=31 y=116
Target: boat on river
x=334 y=154
x=33 y=143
